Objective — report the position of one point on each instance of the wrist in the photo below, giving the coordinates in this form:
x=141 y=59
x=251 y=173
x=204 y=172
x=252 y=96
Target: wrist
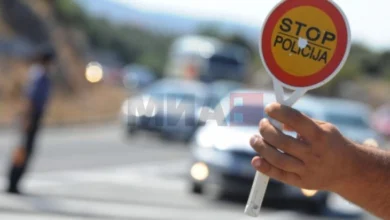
x=367 y=186
x=358 y=169
x=365 y=167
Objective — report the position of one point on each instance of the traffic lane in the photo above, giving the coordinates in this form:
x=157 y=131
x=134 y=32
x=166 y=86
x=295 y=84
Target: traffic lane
x=91 y=147
x=104 y=147
x=129 y=202
x=140 y=186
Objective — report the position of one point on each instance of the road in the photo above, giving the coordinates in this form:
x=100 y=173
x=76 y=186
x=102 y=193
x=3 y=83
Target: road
x=94 y=173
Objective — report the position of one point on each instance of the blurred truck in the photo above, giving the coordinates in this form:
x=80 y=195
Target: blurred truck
x=207 y=59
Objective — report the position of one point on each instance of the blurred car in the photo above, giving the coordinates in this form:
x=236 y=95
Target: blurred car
x=221 y=154
x=207 y=59
x=168 y=106
x=219 y=89
x=350 y=117
x=137 y=76
x=381 y=120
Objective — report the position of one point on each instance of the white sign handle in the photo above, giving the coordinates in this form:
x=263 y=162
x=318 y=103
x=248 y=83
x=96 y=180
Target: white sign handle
x=260 y=182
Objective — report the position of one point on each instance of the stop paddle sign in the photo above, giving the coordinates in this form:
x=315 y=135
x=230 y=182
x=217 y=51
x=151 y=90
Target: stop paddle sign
x=303 y=45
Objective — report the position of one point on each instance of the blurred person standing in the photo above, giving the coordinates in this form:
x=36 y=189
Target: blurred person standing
x=33 y=109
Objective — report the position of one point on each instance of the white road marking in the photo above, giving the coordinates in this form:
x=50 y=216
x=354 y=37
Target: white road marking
x=141 y=174
x=118 y=210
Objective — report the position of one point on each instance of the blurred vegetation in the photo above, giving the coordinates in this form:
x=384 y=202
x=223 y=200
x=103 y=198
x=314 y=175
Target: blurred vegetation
x=134 y=44
x=214 y=30
x=130 y=43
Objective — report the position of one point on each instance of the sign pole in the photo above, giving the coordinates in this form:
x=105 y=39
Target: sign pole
x=260 y=182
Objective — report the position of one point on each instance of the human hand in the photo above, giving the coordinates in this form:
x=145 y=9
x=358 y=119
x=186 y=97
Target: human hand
x=319 y=158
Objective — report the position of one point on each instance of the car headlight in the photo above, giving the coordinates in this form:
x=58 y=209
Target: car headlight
x=308 y=192
x=199 y=171
x=213 y=138
x=219 y=141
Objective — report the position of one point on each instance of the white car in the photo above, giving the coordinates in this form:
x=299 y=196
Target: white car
x=221 y=154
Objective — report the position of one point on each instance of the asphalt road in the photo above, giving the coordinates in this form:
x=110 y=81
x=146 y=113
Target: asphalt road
x=95 y=173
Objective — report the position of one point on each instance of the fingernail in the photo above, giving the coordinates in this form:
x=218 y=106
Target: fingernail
x=267 y=106
x=257 y=163
x=253 y=140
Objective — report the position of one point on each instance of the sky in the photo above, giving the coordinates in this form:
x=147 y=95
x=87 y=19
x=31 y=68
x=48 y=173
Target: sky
x=369 y=19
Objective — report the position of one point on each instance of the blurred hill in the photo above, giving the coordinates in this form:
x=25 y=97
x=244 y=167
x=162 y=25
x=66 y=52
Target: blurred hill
x=365 y=76
x=90 y=30
x=26 y=24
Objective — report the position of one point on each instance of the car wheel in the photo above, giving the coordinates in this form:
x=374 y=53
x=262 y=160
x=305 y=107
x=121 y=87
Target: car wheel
x=213 y=192
x=130 y=130
x=188 y=138
x=317 y=207
x=165 y=135
x=196 y=188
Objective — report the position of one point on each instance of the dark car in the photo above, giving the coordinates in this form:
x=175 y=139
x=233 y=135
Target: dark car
x=169 y=106
x=221 y=156
x=137 y=76
x=228 y=62
x=220 y=88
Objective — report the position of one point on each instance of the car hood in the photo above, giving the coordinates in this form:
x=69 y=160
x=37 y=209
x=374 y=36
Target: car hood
x=235 y=139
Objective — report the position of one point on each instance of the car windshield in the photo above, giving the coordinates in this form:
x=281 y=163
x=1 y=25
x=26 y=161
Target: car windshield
x=176 y=92
x=245 y=116
x=218 y=63
x=346 y=120
x=218 y=91
x=224 y=60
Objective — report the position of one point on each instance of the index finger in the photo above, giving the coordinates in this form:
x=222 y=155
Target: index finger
x=294 y=120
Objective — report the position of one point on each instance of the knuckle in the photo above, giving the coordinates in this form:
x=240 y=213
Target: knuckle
x=266 y=168
x=331 y=128
x=260 y=146
x=264 y=126
x=262 y=129
x=271 y=109
x=295 y=116
x=319 y=134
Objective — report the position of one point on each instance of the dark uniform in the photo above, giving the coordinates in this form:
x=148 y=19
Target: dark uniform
x=37 y=93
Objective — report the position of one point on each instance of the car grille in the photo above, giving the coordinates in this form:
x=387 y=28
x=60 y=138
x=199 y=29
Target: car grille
x=246 y=157
x=243 y=155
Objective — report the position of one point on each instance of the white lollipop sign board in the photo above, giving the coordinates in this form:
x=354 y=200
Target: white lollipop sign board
x=303 y=45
